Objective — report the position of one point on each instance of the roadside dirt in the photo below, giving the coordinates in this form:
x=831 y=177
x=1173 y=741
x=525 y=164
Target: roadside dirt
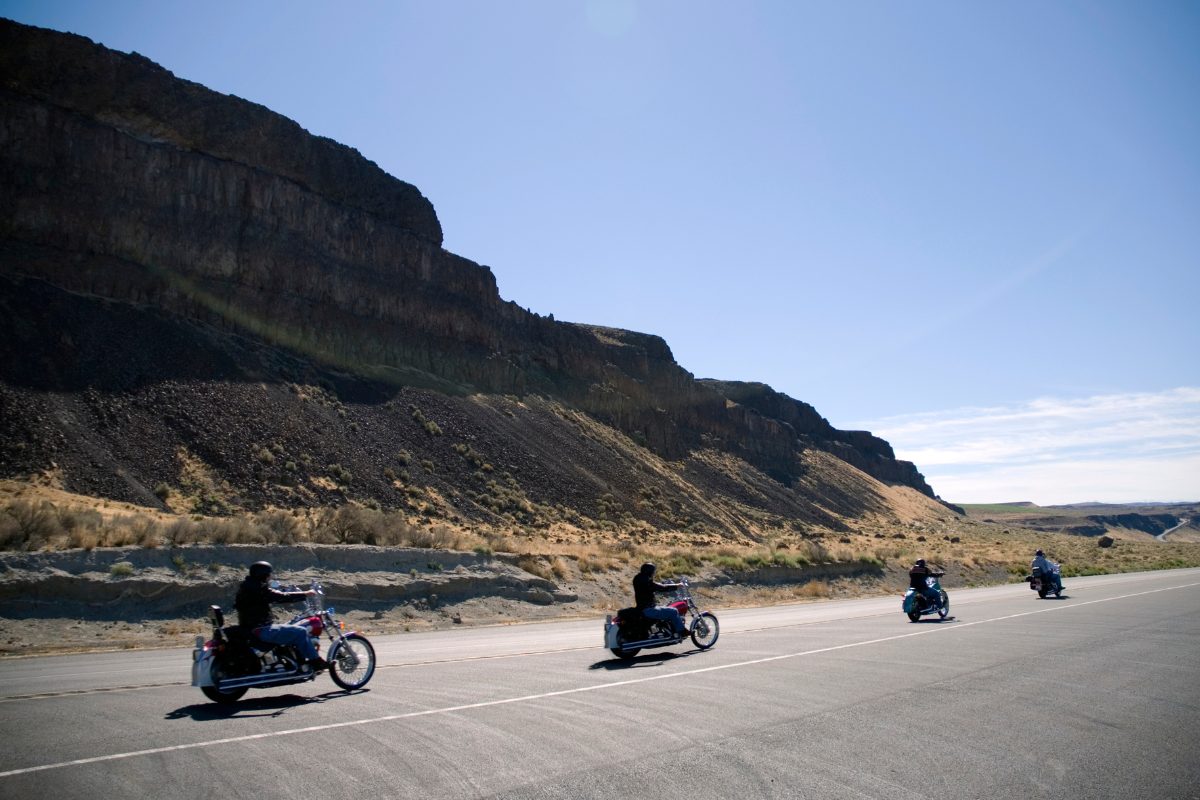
x=127 y=598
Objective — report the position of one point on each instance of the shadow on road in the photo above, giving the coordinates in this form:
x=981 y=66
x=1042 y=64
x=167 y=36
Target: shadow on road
x=934 y=620
x=275 y=706
x=641 y=661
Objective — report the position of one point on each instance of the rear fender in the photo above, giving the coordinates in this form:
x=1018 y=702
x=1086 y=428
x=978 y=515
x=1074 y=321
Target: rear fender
x=202 y=661
x=910 y=601
x=611 y=629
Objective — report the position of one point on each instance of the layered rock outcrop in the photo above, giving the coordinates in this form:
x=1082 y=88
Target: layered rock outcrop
x=122 y=182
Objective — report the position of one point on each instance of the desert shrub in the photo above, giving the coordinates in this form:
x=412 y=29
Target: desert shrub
x=180 y=532
x=74 y=519
x=815 y=589
x=237 y=530
x=10 y=532
x=352 y=524
x=339 y=473
x=33 y=526
x=162 y=491
x=146 y=532
x=497 y=542
x=279 y=527
x=404 y=457
x=815 y=552
x=83 y=538
x=265 y=456
x=121 y=569
x=536 y=565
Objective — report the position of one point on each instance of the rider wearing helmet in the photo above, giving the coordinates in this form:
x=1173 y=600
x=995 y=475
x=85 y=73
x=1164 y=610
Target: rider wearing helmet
x=644 y=587
x=253 y=604
x=917 y=575
x=1045 y=566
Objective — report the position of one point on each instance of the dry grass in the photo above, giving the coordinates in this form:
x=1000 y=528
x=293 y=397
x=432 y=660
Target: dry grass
x=30 y=520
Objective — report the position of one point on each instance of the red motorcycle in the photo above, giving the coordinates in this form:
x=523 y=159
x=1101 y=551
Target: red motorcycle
x=234 y=661
x=630 y=631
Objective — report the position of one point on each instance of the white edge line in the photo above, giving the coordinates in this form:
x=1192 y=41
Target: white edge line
x=563 y=692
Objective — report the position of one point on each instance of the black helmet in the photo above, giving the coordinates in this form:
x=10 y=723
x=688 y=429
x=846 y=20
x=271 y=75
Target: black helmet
x=1039 y=553
x=260 y=570
x=648 y=568
x=920 y=562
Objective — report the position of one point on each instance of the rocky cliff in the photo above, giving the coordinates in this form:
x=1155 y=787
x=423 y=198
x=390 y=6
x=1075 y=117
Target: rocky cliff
x=156 y=233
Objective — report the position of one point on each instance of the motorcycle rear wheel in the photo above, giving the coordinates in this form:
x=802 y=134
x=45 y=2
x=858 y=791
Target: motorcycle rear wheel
x=914 y=616
x=214 y=692
x=623 y=652
x=352 y=662
x=705 y=630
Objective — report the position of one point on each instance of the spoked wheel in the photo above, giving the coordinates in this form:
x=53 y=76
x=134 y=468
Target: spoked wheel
x=214 y=692
x=352 y=662
x=705 y=630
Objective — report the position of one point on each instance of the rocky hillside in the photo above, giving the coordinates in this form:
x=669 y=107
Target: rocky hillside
x=204 y=307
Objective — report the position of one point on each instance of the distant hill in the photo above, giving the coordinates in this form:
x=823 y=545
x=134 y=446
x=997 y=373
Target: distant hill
x=205 y=308
x=1096 y=519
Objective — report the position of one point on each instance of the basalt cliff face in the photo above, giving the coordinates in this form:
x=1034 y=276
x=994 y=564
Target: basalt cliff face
x=167 y=252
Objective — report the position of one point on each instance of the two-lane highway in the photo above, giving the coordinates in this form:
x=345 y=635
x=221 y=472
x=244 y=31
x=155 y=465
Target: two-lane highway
x=1093 y=695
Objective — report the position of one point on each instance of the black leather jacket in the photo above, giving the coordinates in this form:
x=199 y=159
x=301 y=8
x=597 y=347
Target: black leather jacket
x=644 y=588
x=254 y=599
x=917 y=576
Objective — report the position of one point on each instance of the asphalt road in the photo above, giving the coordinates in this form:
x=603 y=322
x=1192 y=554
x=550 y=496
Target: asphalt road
x=1096 y=695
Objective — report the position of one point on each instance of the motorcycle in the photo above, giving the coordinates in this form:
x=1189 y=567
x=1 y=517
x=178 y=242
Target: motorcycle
x=630 y=631
x=916 y=605
x=1045 y=584
x=234 y=660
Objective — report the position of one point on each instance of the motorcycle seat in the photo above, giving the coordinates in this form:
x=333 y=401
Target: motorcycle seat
x=238 y=635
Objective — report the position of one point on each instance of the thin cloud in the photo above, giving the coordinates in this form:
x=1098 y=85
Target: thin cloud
x=1116 y=448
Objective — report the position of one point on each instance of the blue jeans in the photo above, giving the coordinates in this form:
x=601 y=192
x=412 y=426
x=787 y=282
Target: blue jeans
x=932 y=595
x=668 y=614
x=294 y=635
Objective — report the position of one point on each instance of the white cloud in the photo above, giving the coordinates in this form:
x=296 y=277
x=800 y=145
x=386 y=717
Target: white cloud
x=1112 y=448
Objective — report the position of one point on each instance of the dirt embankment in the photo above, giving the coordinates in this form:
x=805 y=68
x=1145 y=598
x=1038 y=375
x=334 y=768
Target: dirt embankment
x=130 y=597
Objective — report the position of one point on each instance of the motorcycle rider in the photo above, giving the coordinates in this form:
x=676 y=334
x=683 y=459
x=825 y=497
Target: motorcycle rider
x=644 y=587
x=917 y=575
x=1045 y=567
x=253 y=604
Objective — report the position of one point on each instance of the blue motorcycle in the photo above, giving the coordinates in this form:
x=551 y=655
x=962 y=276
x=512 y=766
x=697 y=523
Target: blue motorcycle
x=917 y=605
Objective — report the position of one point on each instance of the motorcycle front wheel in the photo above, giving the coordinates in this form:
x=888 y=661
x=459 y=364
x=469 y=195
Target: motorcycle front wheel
x=705 y=630
x=944 y=611
x=214 y=692
x=352 y=661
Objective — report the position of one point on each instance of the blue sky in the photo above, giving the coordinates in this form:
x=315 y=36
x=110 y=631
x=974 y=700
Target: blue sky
x=901 y=213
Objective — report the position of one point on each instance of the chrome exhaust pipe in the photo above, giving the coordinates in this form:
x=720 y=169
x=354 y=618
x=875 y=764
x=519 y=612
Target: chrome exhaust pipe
x=269 y=679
